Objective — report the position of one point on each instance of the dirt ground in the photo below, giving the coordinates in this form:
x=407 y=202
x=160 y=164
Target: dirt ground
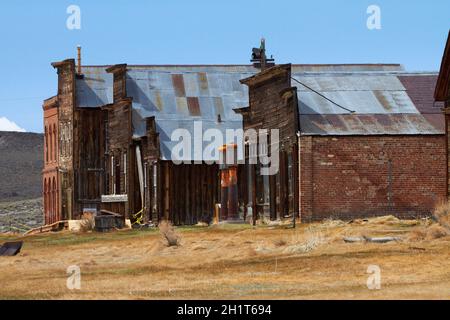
x=234 y=262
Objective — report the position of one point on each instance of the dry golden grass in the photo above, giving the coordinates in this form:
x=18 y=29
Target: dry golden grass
x=232 y=262
x=436 y=232
x=442 y=214
x=418 y=234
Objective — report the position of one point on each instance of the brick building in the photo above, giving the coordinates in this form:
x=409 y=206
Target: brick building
x=50 y=185
x=108 y=139
x=386 y=157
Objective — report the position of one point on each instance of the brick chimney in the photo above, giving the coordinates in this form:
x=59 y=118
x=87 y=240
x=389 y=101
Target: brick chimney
x=79 y=60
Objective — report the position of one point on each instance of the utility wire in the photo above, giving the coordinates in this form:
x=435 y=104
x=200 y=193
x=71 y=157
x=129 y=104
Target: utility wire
x=318 y=93
x=21 y=99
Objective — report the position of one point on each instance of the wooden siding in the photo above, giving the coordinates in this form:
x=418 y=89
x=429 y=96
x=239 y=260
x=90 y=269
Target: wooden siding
x=273 y=105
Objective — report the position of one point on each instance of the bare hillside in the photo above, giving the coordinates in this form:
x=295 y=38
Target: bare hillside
x=21 y=163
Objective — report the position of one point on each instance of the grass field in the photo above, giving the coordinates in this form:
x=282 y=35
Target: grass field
x=233 y=262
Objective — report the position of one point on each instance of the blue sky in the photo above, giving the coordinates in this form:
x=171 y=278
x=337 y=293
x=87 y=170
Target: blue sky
x=34 y=34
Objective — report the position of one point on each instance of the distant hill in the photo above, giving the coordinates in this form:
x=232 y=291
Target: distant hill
x=21 y=163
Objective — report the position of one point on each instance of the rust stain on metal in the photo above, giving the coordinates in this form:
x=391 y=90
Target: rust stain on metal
x=178 y=84
x=383 y=119
x=382 y=99
x=182 y=106
x=336 y=122
x=203 y=80
x=193 y=106
x=158 y=100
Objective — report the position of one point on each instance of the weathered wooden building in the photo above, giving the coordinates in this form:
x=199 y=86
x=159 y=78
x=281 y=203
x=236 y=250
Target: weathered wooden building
x=109 y=130
x=442 y=95
x=111 y=139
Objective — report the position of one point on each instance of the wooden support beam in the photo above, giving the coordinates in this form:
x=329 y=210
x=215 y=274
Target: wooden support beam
x=296 y=173
x=192 y=193
x=273 y=196
x=166 y=191
x=283 y=183
x=186 y=193
x=253 y=192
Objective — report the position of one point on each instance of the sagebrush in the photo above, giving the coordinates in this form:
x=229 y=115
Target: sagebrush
x=169 y=234
x=87 y=222
x=441 y=214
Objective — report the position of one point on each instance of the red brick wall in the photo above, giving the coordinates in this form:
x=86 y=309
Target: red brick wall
x=50 y=183
x=447 y=140
x=360 y=176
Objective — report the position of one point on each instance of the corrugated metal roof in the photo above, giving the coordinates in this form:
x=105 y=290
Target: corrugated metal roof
x=385 y=102
x=371 y=124
x=389 y=103
x=95 y=88
x=177 y=98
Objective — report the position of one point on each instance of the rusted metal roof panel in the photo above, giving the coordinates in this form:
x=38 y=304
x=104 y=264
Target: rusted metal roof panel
x=193 y=106
x=395 y=103
x=178 y=85
x=178 y=97
x=375 y=124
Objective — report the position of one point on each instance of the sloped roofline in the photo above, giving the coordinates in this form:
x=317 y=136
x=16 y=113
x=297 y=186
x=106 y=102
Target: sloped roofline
x=250 y=65
x=443 y=83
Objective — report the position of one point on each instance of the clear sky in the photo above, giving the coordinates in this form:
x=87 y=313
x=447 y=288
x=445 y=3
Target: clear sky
x=34 y=34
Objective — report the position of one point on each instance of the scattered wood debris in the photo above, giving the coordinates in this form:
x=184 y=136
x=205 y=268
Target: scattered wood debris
x=370 y=239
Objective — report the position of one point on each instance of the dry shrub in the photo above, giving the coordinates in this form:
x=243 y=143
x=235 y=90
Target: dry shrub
x=428 y=233
x=385 y=220
x=436 y=232
x=312 y=241
x=169 y=234
x=263 y=221
x=280 y=242
x=331 y=223
x=87 y=222
x=441 y=214
x=358 y=221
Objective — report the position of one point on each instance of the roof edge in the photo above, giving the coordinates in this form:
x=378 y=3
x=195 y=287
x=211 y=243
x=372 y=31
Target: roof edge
x=441 y=92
